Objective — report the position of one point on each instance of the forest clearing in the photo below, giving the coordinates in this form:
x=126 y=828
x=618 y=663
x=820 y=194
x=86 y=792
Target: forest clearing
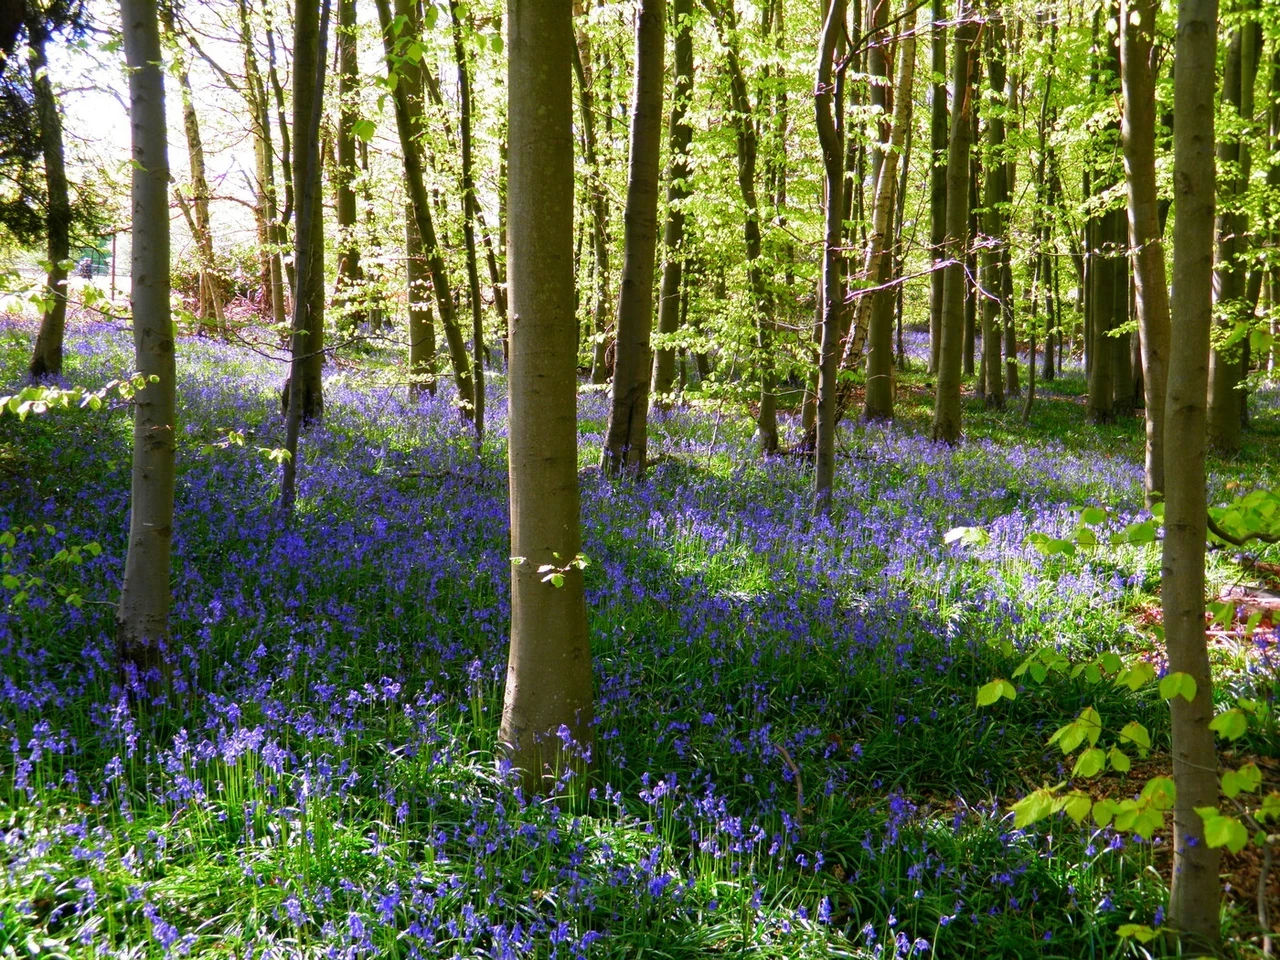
x=558 y=480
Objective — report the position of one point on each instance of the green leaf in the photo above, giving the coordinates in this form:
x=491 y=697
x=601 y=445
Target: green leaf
x=1160 y=791
x=1137 y=675
x=1111 y=662
x=1247 y=779
x=1136 y=931
x=1178 y=683
x=1230 y=724
x=363 y=129
x=1103 y=812
x=1135 y=733
x=495 y=42
x=1033 y=807
x=1092 y=723
x=1086 y=537
x=1220 y=831
x=1090 y=763
x=1092 y=516
x=1077 y=805
x=1119 y=760
x=989 y=693
x=967 y=536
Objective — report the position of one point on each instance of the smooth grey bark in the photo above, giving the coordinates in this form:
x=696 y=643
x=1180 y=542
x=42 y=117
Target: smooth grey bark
x=142 y=618
x=743 y=121
x=832 y=300
x=875 y=313
x=408 y=110
x=680 y=136
x=1226 y=399
x=350 y=274
x=302 y=396
x=626 y=437
x=947 y=411
x=937 y=177
x=46 y=358
x=599 y=210
x=470 y=207
x=549 y=682
x=1195 y=887
x=995 y=198
x=304 y=388
x=422 y=328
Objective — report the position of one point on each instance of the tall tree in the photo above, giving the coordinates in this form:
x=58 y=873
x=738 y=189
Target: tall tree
x=582 y=67
x=350 y=274
x=47 y=356
x=937 y=176
x=876 y=316
x=946 y=411
x=408 y=109
x=469 y=209
x=304 y=389
x=1137 y=33
x=1234 y=310
x=142 y=618
x=626 y=439
x=994 y=202
x=1194 y=894
x=742 y=118
x=549 y=684
x=832 y=299
x=680 y=136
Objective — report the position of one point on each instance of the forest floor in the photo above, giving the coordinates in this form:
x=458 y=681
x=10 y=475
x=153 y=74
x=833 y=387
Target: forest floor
x=789 y=758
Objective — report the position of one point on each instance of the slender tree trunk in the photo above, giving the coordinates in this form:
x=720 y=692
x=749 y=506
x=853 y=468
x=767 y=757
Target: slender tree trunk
x=46 y=359
x=302 y=396
x=970 y=251
x=879 y=262
x=946 y=414
x=422 y=328
x=995 y=197
x=350 y=274
x=626 y=438
x=832 y=292
x=680 y=136
x=1008 y=321
x=744 y=127
x=599 y=210
x=1225 y=397
x=303 y=388
x=549 y=684
x=1195 y=890
x=408 y=107
x=210 y=307
x=937 y=177
x=142 y=619
x=470 y=208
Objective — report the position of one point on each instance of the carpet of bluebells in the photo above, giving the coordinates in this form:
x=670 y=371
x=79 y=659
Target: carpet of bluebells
x=789 y=761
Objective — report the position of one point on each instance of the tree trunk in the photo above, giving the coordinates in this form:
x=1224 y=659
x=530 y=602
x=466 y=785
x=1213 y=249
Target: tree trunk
x=1137 y=33
x=304 y=386
x=210 y=307
x=470 y=207
x=1225 y=397
x=995 y=197
x=937 y=178
x=832 y=291
x=1195 y=890
x=549 y=684
x=408 y=106
x=350 y=276
x=142 y=619
x=1008 y=318
x=744 y=127
x=46 y=359
x=877 y=321
x=946 y=413
x=599 y=210
x=680 y=136
x=626 y=439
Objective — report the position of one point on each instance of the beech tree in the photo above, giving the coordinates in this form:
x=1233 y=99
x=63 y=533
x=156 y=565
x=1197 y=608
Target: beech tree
x=547 y=706
x=142 y=618
x=626 y=440
x=1195 y=887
